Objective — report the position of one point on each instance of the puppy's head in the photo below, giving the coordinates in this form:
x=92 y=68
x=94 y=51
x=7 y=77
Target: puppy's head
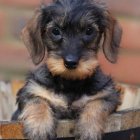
x=69 y=33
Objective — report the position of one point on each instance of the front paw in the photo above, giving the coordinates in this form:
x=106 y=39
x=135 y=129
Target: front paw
x=88 y=133
x=90 y=125
x=38 y=121
x=32 y=132
x=86 y=136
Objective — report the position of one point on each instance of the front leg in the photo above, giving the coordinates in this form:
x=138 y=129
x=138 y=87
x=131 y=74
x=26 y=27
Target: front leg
x=79 y=104
x=38 y=120
x=90 y=125
x=35 y=110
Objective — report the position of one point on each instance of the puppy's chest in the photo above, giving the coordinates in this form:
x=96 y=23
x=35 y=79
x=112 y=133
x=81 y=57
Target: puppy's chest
x=74 y=90
x=71 y=91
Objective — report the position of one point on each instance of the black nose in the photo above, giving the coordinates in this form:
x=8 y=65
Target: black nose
x=71 y=61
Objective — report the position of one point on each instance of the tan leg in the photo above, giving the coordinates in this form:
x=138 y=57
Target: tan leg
x=79 y=104
x=91 y=122
x=38 y=120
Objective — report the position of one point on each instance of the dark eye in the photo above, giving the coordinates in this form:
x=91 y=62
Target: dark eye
x=89 y=31
x=56 y=31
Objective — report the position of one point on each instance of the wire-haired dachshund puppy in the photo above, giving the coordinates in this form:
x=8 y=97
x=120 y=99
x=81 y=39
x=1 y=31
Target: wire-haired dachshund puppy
x=66 y=36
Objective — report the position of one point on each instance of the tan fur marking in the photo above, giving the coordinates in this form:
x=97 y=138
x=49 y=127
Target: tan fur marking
x=85 y=68
x=54 y=99
x=86 y=99
x=37 y=118
x=91 y=121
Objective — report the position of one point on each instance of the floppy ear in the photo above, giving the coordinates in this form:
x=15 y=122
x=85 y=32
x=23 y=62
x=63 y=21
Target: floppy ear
x=31 y=35
x=112 y=39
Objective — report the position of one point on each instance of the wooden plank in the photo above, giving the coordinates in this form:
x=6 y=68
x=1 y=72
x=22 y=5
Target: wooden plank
x=11 y=130
x=119 y=121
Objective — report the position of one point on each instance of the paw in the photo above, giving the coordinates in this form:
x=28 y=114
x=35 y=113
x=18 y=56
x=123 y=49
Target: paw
x=90 y=125
x=89 y=136
x=32 y=134
x=38 y=129
x=38 y=121
x=88 y=133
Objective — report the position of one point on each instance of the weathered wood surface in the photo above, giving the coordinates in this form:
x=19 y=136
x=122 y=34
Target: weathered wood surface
x=117 y=122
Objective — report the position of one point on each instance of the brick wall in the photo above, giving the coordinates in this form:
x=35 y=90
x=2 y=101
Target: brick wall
x=14 y=59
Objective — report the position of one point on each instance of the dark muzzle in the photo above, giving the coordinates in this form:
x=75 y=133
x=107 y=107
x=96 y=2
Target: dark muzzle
x=71 y=61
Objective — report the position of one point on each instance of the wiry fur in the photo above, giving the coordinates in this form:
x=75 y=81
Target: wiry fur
x=84 y=70
x=38 y=119
x=67 y=35
x=90 y=124
x=38 y=91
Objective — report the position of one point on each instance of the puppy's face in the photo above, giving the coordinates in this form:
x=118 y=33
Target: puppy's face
x=69 y=32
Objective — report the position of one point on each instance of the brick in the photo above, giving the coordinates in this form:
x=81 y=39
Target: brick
x=14 y=22
x=2 y=24
x=126 y=70
x=128 y=7
x=18 y=20
x=22 y=3
x=131 y=34
x=14 y=57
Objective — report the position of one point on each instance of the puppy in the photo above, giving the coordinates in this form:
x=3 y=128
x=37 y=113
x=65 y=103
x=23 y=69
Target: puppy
x=66 y=37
